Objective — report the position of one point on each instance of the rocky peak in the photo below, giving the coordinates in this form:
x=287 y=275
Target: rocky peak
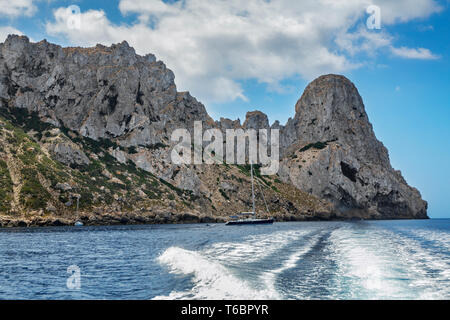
x=256 y=120
x=331 y=109
x=226 y=123
x=123 y=46
x=101 y=92
x=332 y=151
x=14 y=40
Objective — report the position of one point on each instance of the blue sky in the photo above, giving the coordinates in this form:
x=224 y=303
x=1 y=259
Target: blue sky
x=262 y=54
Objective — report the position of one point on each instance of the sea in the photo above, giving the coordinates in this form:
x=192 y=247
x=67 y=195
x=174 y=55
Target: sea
x=296 y=261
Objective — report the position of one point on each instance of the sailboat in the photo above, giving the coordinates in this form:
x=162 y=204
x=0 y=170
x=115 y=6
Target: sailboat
x=250 y=216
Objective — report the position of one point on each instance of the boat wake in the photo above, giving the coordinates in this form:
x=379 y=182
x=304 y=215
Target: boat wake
x=347 y=262
x=212 y=281
x=381 y=264
x=214 y=269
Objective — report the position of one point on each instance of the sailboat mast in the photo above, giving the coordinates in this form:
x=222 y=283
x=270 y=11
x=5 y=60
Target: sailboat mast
x=253 y=190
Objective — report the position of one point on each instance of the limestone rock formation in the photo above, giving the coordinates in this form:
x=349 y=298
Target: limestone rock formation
x=345 y=163
x=256 y=120
x=101 y=92
x=108 y=115
x=69 y=154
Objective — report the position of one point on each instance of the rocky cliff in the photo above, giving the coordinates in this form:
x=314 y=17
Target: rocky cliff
x=98 y=121
x=338 y=157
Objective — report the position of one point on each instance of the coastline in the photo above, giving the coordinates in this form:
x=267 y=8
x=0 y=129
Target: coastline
x=161 y=219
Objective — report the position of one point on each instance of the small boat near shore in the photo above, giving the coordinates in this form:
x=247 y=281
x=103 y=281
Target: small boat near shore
x=250 y=217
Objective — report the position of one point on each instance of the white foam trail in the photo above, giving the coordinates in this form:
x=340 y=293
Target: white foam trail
x=269 y=278
x=365 y=269
x=439 y=237
x=429 y=272
x=211 y=279
x=253 y=248
x=371 y=263
x=379 y=264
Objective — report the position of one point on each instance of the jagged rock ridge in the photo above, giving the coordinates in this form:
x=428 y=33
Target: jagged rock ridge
x=111 y=94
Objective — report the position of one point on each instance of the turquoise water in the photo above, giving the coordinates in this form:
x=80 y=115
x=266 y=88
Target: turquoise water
x=302 y=260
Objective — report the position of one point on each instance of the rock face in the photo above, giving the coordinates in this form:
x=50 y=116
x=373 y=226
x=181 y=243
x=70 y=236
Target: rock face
x=69 y=154
x=256 y=120
x=101 y=92
x=125 y=106
x=348 y=165
x=329 y=150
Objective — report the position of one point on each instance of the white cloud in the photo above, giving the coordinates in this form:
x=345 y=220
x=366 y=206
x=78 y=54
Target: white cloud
x=406 y=10
x=212 y=45
x=363 y=40
x=5 y=31
x=15 y=8
x=412 y=53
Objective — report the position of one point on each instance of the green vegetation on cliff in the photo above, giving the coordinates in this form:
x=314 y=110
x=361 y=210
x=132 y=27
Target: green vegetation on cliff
x=317 y=145
x=55 y=173
x=46 y=184
x=6 y=188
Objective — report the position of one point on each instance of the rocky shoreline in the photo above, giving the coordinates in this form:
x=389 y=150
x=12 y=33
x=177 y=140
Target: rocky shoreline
x=106 y=220
x=162 y=218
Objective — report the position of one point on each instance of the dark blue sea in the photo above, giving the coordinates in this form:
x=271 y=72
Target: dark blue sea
x=301 y=260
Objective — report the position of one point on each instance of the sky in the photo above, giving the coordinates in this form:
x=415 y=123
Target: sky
x=238 y=56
